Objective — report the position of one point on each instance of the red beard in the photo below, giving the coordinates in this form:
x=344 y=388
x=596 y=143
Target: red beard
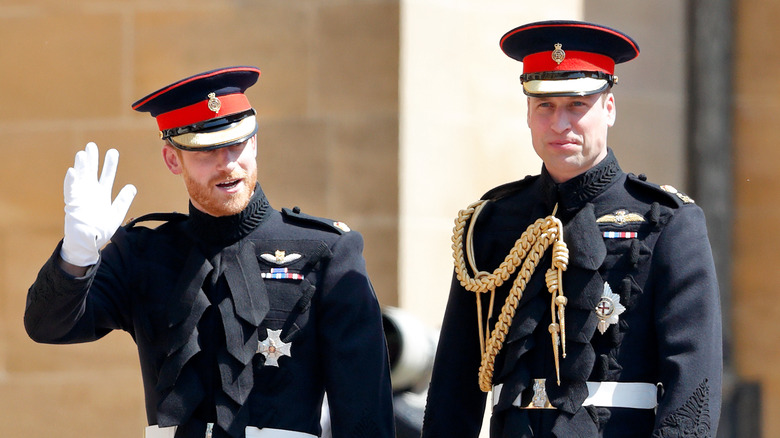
x=217 y=202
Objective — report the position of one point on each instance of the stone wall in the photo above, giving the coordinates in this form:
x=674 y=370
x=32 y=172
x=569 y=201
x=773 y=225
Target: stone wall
x=756 y=303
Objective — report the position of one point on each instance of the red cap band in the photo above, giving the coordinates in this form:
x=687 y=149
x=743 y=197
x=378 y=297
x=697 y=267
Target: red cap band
x=574 y=61
x=199 y=112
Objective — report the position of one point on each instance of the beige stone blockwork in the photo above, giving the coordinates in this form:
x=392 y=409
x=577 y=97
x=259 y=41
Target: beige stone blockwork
x=648 y=137
x=755 y=238
x=56 y=67
x=380 y=250
x=771 y=405
x=356 y=63
x=72 y=405
x=272 y=36
x=292 y=163
x=757 y=157
x=755 y=37
x=34 y=168
x=363 y=191
x=756 y=190
x=363 y=159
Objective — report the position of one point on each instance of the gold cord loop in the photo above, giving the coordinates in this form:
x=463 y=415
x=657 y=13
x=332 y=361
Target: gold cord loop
x=526 y=253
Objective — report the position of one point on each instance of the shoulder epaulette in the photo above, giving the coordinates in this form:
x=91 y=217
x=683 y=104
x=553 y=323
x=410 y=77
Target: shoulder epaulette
x=668 y=192
x=328 y=224
x=160 y=217
x=509 y=188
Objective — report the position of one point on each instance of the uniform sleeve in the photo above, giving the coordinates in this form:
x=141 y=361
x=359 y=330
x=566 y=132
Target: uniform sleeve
x=456 y=405
x=356 y=366
x=62 y=309
x=688 y=328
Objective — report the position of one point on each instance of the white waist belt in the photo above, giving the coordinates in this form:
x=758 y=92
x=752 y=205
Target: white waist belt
x=635 y=395
x=251 y=432
x=622 y=395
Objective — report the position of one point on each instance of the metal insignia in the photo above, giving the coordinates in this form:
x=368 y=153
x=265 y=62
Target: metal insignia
x=621 y=217
x=274 y=348
x=608 y=309
x=214 y=103
x=342 y=226
x=540 y=399
x=280 y=257
x=685 y=198
x=558 y=55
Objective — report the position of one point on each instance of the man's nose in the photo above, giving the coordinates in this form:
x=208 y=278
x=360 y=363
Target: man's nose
x=560 y=121
x=226 y=158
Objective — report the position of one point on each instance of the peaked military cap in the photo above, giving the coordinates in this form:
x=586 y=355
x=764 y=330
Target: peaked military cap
x=568 y=58
x=205 y=111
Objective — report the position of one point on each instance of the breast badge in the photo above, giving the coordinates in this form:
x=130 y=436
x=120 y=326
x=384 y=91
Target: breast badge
x=280 y=257
x=608 y=309
x=621 y=217
x=274 y=348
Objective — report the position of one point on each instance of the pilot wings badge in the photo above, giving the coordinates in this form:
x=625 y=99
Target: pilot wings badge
x=621 y=217
x=608 y=309
x=280 y=257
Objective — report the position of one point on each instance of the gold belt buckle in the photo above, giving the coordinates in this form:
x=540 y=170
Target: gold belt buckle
x=540 y=400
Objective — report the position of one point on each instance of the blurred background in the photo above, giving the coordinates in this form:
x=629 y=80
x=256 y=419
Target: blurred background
x=390 y=115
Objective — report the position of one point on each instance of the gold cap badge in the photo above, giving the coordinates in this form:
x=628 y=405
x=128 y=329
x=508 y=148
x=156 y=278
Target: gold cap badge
x=558 y=55
x=214 y=103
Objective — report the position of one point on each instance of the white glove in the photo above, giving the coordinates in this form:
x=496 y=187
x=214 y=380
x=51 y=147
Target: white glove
x=90 y=217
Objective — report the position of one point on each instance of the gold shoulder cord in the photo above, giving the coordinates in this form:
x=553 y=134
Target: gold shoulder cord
x=527 y=251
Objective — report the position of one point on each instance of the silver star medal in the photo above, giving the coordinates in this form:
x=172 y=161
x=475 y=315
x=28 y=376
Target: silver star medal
x=273 y=348
x=608 y=308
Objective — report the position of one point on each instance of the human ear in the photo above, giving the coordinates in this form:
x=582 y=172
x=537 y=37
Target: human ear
x=253 y=144
x=609 y=106
x=172 y=159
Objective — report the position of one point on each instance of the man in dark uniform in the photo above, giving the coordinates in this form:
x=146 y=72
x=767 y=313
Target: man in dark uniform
x=590 y=293
x=244 y=316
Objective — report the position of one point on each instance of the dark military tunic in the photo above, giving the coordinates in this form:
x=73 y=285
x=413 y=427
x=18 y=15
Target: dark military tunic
x=199 y=294
x=659 y=263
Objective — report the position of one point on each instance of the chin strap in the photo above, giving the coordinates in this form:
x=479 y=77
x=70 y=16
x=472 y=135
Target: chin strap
x=526 y=253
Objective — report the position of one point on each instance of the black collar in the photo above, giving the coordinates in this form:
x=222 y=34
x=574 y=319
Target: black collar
x=573 y=194
x=225 y=230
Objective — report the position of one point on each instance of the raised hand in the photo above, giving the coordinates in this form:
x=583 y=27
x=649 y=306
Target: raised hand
x=90 y=216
